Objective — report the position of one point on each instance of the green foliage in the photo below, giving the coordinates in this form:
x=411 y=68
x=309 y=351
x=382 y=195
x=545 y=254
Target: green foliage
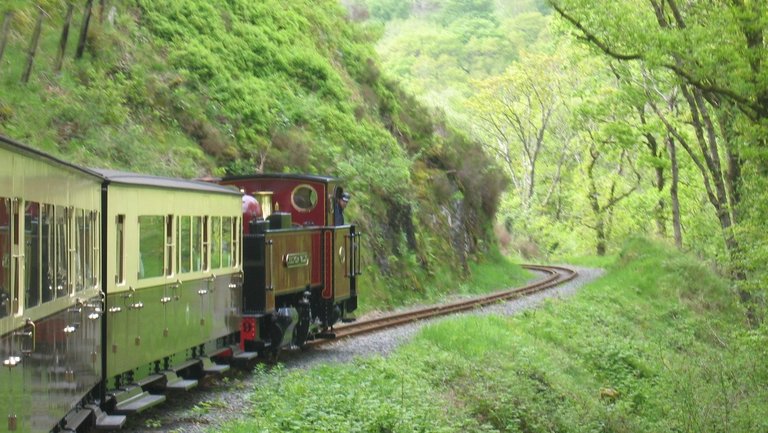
x=388 y=10
x=491 y=273
x=372 y=396
x=655 y=345
x=444 y=44
x=194 y=88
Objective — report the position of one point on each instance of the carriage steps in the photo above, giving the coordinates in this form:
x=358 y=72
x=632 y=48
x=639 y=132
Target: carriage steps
x=176 y=383
x=92 y=415
x=134 y=400
x=209 y=367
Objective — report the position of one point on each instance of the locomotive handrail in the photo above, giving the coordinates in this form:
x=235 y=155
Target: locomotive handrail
x=271 y=286
x=348 y=242
x=358 y=254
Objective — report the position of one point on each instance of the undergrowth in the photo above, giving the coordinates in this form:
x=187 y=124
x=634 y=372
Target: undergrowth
x=490 y=273
x=657 y=345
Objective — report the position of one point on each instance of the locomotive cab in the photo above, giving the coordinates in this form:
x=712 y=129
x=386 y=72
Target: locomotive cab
x=300 y=270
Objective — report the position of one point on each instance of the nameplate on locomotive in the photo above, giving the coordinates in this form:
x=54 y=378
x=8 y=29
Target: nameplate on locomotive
x=296 y=260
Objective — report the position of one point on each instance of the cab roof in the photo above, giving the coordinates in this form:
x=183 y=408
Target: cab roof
x=285 y=176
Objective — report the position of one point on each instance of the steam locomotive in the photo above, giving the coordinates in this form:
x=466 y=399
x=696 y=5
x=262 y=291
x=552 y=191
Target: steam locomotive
x=116 y=288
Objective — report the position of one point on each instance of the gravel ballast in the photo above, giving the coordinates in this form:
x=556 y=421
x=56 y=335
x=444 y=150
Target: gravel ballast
x=224 y=399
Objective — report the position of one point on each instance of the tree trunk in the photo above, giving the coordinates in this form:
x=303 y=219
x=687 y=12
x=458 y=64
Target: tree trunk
x=653 y=147
x=84 y=30
x=33 y=48
x=64 y=38
x=594 y=203
x=4 y=32
x=672 y=151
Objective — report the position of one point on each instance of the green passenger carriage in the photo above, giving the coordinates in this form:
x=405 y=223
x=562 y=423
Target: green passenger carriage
x=173 y=270
x=116 y=287
x=50 y=286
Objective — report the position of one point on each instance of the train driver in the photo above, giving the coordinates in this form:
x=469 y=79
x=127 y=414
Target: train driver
x=338 y=212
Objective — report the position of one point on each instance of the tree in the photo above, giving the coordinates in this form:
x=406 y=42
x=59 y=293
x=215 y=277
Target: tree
x=716 y=50
x=520 y=115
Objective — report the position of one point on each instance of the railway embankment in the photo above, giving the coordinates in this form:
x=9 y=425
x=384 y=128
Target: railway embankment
x=658 y=343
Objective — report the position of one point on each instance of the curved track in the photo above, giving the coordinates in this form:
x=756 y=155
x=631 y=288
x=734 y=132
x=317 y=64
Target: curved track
x=555 y=275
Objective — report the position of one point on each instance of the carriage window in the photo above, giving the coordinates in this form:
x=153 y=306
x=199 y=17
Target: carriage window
x=227 y=259
x=304 y=198
x=184 y=242
x=86 y=238
x=94 y=270
x=206 y=243
x=197 y=246
x=120 y=249
x=5 y=257
x=32 y=254
x=48 y=251
x=151 y=238
x=169 y=245
x=216 y=243
x=81 y=249
x=236 y=231
x=61 y=250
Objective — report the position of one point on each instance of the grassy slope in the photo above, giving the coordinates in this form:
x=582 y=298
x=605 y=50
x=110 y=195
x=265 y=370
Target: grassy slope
x=656 y=345
x=196 y=87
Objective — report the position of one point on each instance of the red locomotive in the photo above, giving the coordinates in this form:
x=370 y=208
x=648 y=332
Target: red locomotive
x=299 y=266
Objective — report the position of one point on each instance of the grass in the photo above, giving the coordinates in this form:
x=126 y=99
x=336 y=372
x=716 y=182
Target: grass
x=490 y=274
x=658 y=344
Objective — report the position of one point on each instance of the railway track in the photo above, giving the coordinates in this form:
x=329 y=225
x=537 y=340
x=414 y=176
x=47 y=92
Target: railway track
x=555 y=275
x=178 y=418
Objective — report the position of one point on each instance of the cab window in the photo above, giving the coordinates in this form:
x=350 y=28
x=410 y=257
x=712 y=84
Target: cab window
x=304 y=198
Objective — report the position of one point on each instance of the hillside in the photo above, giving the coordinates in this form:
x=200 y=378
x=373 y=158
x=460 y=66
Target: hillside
x=193 y=88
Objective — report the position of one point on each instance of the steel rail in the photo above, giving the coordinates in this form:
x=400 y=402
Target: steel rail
x=555 y=275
